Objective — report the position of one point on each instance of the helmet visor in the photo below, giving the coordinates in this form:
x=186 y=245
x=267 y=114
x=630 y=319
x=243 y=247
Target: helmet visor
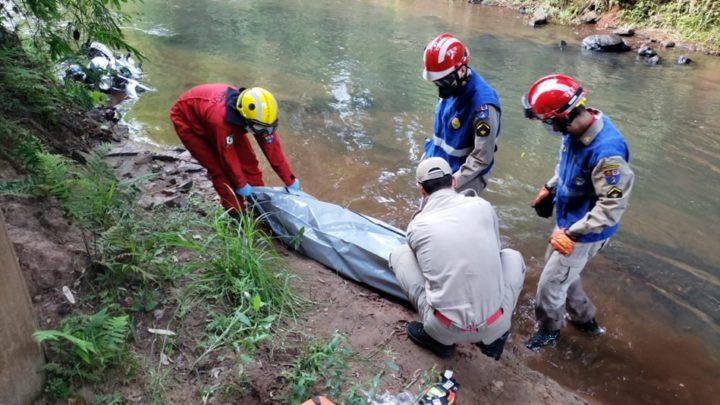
x=530 y=114
x=258 y=128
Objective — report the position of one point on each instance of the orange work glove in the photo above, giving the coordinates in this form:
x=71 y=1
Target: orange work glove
x=562 y=242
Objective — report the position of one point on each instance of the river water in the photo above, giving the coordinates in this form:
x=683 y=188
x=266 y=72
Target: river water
x=354 y=112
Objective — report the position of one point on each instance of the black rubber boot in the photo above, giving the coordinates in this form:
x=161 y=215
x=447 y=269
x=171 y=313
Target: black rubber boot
x=416 y=333
x=495 y=348
x=542 y=338
x=590 y=327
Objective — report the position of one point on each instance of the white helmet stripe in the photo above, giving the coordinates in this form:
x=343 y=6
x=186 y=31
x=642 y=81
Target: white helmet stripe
x=258 y=104
x=549 y=85
x=447 y=43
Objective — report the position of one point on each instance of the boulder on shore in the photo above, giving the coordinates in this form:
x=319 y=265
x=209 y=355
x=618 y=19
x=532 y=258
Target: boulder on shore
x=538 y=18
x=605 y=43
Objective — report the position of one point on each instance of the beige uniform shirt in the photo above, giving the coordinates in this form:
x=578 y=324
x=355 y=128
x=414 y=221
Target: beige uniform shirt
x=457 y=245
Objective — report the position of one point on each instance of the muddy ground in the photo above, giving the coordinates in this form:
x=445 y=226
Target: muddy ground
x=52 y=254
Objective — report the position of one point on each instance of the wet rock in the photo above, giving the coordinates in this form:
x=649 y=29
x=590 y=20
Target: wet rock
x=653 y=60
x=562 y=44
x=604 y=43
x=667 y=44
x=538 y=18
x=683 y=60
x=589 y=17
x=646 y=52
x=624 y=32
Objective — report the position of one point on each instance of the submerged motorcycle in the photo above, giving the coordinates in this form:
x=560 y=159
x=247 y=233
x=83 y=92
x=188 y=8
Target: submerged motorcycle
x=107 y=72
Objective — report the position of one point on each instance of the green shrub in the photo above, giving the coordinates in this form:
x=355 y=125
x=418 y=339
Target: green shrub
x=322 y=363
x=83 y=347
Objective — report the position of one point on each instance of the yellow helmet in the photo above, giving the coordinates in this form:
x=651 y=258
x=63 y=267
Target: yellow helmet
x=259 y=108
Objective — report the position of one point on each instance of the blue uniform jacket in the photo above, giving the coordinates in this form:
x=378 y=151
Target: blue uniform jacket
x=576 y=195
x=454 y=133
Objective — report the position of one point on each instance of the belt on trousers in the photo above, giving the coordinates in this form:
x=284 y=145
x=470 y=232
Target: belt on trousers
x=491 y=319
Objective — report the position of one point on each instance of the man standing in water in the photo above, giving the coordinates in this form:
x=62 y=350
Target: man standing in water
x=463 y=285
x=467 y=116
x=213 y=122
x=590 y=191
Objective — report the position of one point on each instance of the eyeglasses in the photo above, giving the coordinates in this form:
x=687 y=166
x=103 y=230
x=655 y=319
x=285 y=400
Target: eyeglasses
x=259 y=128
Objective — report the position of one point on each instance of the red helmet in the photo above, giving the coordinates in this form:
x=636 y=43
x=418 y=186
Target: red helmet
x=553 y=96
x=443 y=55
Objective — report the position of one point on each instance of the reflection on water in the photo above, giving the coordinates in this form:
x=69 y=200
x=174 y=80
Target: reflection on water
x=355 y=111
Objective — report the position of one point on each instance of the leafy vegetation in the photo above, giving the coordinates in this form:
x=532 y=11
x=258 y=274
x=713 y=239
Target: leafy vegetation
x=83 y=347
x=695 y=20
x=321 y=362
x=59 y=26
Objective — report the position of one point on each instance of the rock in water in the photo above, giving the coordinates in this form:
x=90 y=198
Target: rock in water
x=605 y=43
x=683 y=60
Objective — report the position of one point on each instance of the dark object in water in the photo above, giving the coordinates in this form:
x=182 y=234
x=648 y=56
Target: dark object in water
x=604 y=43
x=683 y=60
x=646 y=51
x=562 y=45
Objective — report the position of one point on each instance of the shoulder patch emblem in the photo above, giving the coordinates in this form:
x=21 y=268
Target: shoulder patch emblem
x=482 y=111
x=228 y=140
x=455 y=123
x=612 y=176
x=615 y=193
x=482 y=129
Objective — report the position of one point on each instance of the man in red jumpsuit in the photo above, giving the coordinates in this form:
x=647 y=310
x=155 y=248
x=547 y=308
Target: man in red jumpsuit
x=213 y=120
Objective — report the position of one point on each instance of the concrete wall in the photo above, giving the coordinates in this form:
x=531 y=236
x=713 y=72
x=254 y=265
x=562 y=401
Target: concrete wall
x=20 y=356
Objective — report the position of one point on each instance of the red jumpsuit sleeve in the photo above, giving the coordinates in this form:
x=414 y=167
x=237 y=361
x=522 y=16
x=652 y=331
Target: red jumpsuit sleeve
x=229 y=161
x=278 y=161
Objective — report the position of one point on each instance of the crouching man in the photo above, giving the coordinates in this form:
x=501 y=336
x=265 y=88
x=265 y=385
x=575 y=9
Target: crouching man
x=463 y=285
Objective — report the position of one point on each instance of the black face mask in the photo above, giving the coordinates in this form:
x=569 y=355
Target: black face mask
x=449 y=91
x=451 y=85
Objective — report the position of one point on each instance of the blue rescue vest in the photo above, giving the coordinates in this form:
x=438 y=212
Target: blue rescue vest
x=575 y=194
x=455 y=142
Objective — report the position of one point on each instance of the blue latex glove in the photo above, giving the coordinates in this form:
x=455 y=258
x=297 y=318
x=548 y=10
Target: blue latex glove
x=244 y=191
x=295 y=186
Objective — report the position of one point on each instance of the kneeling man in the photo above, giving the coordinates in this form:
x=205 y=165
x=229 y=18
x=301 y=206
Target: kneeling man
x=463 y=285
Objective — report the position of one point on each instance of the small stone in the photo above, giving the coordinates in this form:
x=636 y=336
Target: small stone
x=624 y=32
x=653 y=60
x=590 y=17
x=683 y=60
x=668 y=44
x=646 y=51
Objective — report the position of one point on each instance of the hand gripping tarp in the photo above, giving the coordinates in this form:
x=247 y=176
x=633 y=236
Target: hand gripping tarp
x=354 y=245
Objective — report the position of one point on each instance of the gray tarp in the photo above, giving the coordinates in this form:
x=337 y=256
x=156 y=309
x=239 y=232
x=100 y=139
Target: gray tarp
x=354 y=245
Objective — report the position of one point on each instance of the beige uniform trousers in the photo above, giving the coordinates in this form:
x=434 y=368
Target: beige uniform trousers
x=560 y=288
x=407 y=270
